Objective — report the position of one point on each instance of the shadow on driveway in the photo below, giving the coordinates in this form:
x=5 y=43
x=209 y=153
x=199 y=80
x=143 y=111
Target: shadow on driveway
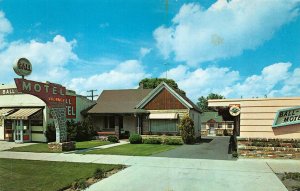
x=209 y=148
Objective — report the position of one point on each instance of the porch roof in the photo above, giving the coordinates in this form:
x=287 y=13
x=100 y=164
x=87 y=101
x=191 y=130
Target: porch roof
x=206 y=116
x=119 y=101
x=23 y=113
x=5 y=111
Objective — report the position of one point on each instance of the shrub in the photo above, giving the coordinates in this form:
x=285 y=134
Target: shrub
x=99 y=174
x=113 y=139
x=225 y=132
x=80 y=184
x=152 y=140
x=198 y=139
x=51 y=132
x=235 y=154
x=135 y=139
x=71 y=130
x=173 y=141
x=187 y=130
x=296 y=145
x=85 y=131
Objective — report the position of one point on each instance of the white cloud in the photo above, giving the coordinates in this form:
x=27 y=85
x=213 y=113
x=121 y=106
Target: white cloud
x=265 y=83
x=48 y=59
x=276 y=80
x=126 y=75
x=5 y=28
x=203 y=81
x=291 y=85
x=144 y=51
x=223 y=30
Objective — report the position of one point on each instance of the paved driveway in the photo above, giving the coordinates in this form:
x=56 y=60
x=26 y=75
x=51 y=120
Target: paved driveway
x=210 y=148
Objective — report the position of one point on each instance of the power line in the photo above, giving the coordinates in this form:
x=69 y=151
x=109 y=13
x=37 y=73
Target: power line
x=92 y=94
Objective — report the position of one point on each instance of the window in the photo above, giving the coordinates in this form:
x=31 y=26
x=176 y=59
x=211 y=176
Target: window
x=230 y=125
x=220 y=125
x=36 y=122
x=109 y=122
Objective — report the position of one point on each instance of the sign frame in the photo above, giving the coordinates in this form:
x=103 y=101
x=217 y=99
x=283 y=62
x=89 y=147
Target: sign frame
x=287 y=123
x=234 y=114
x=23 y=71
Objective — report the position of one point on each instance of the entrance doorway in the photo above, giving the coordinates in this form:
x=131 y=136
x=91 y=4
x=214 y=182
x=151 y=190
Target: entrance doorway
x=18 y=131
x=212 y=128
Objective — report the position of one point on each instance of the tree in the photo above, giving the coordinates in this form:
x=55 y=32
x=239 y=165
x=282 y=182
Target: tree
x=203 y=101
x=151 y=83
x=187 y=130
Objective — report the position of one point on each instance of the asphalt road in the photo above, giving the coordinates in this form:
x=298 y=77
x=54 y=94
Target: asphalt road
x=209 y=148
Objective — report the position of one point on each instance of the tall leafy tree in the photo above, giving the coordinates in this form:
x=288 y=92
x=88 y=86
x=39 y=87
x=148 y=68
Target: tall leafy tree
x=151 y=83
x=203 y=101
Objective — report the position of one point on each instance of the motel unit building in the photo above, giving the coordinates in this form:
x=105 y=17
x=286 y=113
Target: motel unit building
x=144 y=111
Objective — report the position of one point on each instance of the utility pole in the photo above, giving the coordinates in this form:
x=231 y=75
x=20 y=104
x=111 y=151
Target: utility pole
x=92 y=94
x=166 y=69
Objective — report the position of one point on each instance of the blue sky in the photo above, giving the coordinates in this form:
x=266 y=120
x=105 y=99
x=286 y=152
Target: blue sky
x=234 y=48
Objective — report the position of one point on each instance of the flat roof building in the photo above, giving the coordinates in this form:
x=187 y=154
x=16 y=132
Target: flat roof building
x=259 y=117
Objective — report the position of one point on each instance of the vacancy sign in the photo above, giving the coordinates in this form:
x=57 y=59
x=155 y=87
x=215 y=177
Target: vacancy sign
x=289 y=116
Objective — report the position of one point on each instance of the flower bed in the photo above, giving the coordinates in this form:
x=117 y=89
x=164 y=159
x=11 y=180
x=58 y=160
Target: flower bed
x=269 y=148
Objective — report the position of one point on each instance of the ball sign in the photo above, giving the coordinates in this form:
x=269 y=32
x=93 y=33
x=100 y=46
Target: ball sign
x=22 y=67
x=234 y=110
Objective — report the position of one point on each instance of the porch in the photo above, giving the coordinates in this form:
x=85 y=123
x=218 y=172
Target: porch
x=120 y=125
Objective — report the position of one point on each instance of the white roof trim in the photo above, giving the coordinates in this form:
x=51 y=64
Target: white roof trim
x=155 y=91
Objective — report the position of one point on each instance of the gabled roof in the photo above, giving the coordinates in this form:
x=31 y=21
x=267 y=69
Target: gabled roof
x=206 y=116
x=183 y=99
x=119 y=101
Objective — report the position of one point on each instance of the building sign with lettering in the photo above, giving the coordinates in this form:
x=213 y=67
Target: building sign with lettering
x=289 y=116
x=9 y=91
x=52 y=94
x=23 y=67
x=70 y=107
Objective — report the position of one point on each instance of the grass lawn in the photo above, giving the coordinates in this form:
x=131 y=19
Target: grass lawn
x=44 y=175
x=134 y=149
x=43 y=147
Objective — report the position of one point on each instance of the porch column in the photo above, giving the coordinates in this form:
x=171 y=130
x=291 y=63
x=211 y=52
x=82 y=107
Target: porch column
x=117 y=126
x=138 y=125
x=14 y=129
x=21 y=130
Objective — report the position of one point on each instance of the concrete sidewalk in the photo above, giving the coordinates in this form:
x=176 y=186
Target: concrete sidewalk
x=4 y=145
x=160 y=173
x=111 y=145
x=99 y=147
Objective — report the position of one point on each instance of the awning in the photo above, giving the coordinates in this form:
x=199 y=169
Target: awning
x=4 y=112
x=24 y=113
x=163 y=116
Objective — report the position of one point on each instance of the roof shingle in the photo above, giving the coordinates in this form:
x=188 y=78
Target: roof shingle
x=119 y=101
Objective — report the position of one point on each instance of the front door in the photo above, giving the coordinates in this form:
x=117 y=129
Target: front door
x=18 y=131
x=211 y=128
